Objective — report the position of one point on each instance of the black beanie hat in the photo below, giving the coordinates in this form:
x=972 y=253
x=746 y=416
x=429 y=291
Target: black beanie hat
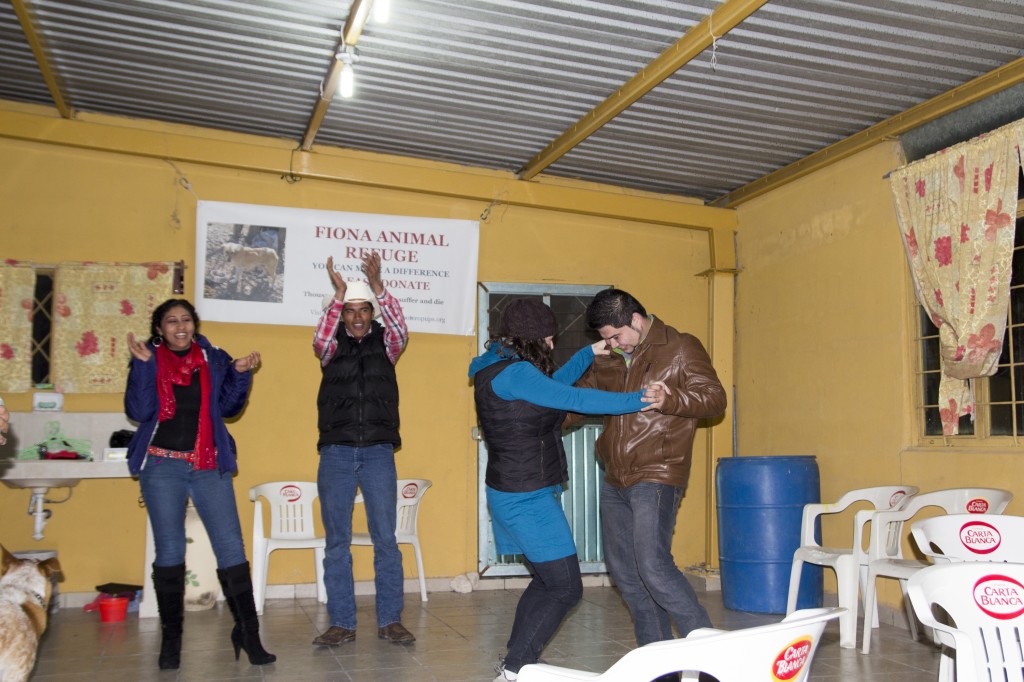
x=529 y=319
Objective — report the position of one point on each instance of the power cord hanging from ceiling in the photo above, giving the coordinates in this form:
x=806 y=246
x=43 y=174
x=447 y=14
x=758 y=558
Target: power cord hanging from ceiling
x=181 y=181
x=497 y=201
x=290 y=177
x=714 y=42
x=486 y=213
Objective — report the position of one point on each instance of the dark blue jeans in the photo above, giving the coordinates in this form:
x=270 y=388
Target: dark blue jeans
x=556 y=587
x=637 y=524
x=372 y=469
x=166 y=485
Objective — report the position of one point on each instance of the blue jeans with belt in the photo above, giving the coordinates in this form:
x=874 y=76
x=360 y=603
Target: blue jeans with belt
x=637 y=524
x=166 y=485
x=371 y=468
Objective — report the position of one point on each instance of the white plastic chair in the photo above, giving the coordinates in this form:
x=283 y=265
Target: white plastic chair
x=885 y=550
x=410 y=492
x=291 y=527
x=780 y=651
x=965 y=537
x=850 y=564
x=985 y=601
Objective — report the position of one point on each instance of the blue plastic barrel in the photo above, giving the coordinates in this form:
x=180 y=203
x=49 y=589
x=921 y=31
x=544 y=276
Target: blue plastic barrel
x=760 y=507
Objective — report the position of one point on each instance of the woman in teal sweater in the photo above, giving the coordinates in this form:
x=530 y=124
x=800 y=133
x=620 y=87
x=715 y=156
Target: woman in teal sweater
x=521 y=402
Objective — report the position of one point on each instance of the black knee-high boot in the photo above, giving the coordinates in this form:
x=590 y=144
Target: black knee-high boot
x=169 y=585
x=237 y=585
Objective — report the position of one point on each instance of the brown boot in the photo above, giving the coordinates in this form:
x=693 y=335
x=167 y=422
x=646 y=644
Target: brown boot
x=334 y=636
x=396 y=633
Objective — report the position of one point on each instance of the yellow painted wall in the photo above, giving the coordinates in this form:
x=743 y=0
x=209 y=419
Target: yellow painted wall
x=70 y=190
x=824 y=354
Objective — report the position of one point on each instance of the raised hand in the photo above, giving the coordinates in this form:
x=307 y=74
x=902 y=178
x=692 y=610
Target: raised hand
x=138 y=349
x=600 y=347
x=371 y=267
x=336 y=279
x=247 y=363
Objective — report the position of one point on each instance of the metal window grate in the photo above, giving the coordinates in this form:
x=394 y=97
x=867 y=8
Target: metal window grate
x=581 y=501
x=42 y=326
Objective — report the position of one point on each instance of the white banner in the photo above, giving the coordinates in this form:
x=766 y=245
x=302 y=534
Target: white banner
x=268 y=264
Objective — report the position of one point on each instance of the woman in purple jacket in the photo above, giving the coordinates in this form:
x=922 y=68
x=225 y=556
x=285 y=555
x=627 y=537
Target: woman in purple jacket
x=180 y=389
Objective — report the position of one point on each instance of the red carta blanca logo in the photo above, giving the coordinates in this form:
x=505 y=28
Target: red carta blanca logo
x=791 y=660
x=896 y=498
x=999 y=596
x=291 y=493
x=979 y=537
x=410 y=490
x=978 y=506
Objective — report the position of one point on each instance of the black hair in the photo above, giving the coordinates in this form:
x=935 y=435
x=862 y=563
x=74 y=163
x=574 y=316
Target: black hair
x=161 y=310
x=613 y=308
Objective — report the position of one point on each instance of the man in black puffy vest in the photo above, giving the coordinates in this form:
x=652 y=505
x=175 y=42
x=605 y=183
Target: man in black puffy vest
x=357 y=409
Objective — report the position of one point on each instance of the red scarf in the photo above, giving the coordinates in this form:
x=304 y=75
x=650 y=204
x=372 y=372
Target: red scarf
x=172 y=370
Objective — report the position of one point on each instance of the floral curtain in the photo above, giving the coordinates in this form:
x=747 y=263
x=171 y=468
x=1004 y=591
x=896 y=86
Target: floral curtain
x=17 y=289
x=956 y=212
x=95 y=306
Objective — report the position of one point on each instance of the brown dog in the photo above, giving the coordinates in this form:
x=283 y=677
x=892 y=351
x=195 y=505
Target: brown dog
x=25 y=591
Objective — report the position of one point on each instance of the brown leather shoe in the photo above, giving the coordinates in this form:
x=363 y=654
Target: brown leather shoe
x=334 y=636
x=396 y=633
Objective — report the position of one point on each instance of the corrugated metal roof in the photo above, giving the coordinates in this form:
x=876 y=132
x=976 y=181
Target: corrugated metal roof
x=490 y=83
x=20 y=79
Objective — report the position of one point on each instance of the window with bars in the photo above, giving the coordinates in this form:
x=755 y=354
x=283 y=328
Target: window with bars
x=42 y=325
x=999 y=399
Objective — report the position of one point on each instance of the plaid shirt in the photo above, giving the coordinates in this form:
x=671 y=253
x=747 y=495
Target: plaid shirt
x=396 y=333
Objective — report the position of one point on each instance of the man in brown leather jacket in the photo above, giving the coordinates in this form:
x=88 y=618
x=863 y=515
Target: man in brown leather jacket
x=646 y=457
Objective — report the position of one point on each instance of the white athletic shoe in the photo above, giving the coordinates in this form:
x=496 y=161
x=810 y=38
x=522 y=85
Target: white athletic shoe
x=504 y=675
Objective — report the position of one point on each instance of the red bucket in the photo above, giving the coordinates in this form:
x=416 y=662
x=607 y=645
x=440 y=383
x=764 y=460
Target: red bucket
x=113 y=609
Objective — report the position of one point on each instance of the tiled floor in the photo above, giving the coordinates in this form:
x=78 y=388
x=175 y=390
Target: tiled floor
x=459 y=637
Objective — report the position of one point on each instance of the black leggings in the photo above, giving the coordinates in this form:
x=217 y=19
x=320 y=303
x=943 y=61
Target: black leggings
x=556 y=587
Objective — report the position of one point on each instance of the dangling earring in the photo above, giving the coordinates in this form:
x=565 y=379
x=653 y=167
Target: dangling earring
x=157 y=340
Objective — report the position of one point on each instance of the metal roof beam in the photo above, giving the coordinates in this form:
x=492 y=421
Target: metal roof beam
x=103 y=133
x=722 y=20
x=353 y=28
x=44 y=65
